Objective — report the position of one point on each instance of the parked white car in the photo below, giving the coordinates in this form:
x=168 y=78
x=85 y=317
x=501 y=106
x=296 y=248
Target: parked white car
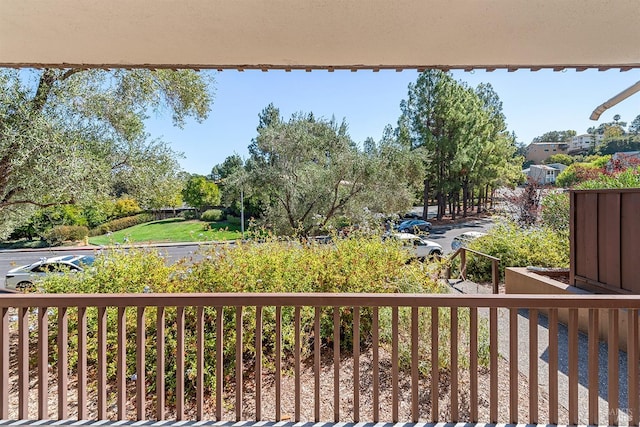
x=420 y=247
x=464 y=239
x=23 y=277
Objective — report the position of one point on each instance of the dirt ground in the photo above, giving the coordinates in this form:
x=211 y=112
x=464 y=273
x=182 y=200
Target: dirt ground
x=346 y=392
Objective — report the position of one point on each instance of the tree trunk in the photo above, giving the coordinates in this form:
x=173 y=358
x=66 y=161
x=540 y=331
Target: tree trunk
x=486 y=197
x=452 y=205
x=465 y=195
x=441 y=204
x=425 y=196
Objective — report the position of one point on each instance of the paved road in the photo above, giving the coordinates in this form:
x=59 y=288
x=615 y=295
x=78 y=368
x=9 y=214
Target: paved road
x=444 y=234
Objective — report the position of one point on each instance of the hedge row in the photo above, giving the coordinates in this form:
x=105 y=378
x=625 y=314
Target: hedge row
x=120 y=224
x=66 y=233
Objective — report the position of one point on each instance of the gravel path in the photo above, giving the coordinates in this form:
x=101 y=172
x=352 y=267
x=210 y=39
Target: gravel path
x=563 y=362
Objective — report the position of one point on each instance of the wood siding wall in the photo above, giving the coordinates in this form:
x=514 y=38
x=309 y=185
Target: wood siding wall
x=605 y=240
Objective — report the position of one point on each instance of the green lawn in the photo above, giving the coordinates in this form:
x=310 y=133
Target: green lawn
x=171 y=230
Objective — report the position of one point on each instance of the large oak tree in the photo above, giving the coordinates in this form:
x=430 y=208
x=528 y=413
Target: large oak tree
x=310 y=175
x=76 y=135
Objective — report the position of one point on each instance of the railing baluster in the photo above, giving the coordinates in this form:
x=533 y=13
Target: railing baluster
x=394 y=364
x=435 y=365
x=43 y=363
x=633 y=360
x=514 y=380
x=4 y=363
x=336 y=364
x=356 y=364
x=180 y=363
x=200 y=363
x=296 y=357
x=122 y=363
x=612 y=367
x=593 y=367
x=376 y=364
x=454 y=365
x=62 y=341
x=533 y=366
x=23 y=363
x=141 y=381
x=278 y=363
x=573 y=366
x=473 y=364
x=239 y=363
x=493 y=362
x=219 y=361
x=553 y=366
x=82 y=363
x=102 y=363
x=414 y=365
x=160 y=365
x=316 y=363
x=258 y=366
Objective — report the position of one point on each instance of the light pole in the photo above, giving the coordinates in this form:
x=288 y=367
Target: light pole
x=242 y=210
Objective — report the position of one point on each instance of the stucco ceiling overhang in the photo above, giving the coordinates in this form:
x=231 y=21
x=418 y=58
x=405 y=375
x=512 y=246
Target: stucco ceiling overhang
x=321 y=34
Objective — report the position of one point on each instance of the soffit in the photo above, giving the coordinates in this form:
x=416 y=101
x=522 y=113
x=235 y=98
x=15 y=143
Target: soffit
x=321 y=34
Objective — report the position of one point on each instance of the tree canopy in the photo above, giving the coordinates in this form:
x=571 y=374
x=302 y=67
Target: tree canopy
x=76 y=135
x=200 y=193
x=460 y=133
x=310 y=175
x=556 y=136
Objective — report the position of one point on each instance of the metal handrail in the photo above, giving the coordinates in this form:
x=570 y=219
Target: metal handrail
x=462 y=252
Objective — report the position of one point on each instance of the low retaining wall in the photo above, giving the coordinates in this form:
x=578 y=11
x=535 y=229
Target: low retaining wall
x=518 y=280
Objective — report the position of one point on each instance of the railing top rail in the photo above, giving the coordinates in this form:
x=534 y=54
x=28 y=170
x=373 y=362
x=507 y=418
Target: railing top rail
x=319 y=300
x=456 y=253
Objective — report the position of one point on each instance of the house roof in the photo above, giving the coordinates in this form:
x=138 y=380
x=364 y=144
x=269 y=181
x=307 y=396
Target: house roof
x=321 y=34
x=549 y=167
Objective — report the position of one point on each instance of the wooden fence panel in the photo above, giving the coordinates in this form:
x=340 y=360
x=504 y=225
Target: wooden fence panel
x=605 y=240
x=630 y=245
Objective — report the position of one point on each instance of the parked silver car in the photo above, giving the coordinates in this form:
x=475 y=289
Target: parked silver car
x=464 y=239
x=23 y=277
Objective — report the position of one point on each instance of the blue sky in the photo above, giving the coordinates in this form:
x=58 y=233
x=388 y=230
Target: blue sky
x=533 y=102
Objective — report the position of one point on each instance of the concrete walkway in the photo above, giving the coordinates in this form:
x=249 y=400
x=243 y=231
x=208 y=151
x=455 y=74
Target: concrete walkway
x=563 y=362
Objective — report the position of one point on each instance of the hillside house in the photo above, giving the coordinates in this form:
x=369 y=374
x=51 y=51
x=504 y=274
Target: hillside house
x=545 y=174
x=538 y=152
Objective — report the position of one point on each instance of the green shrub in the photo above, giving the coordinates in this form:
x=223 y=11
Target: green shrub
x=212 y=215
x=555 y=212
x=233 y=220
x=517 y=247
x=120 y=224
x=355 y=264
x=188 y=214
x=576 y=173
x=63 y=233
x=125 y=206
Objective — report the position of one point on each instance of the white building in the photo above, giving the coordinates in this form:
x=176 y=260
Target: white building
x=584 y=142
